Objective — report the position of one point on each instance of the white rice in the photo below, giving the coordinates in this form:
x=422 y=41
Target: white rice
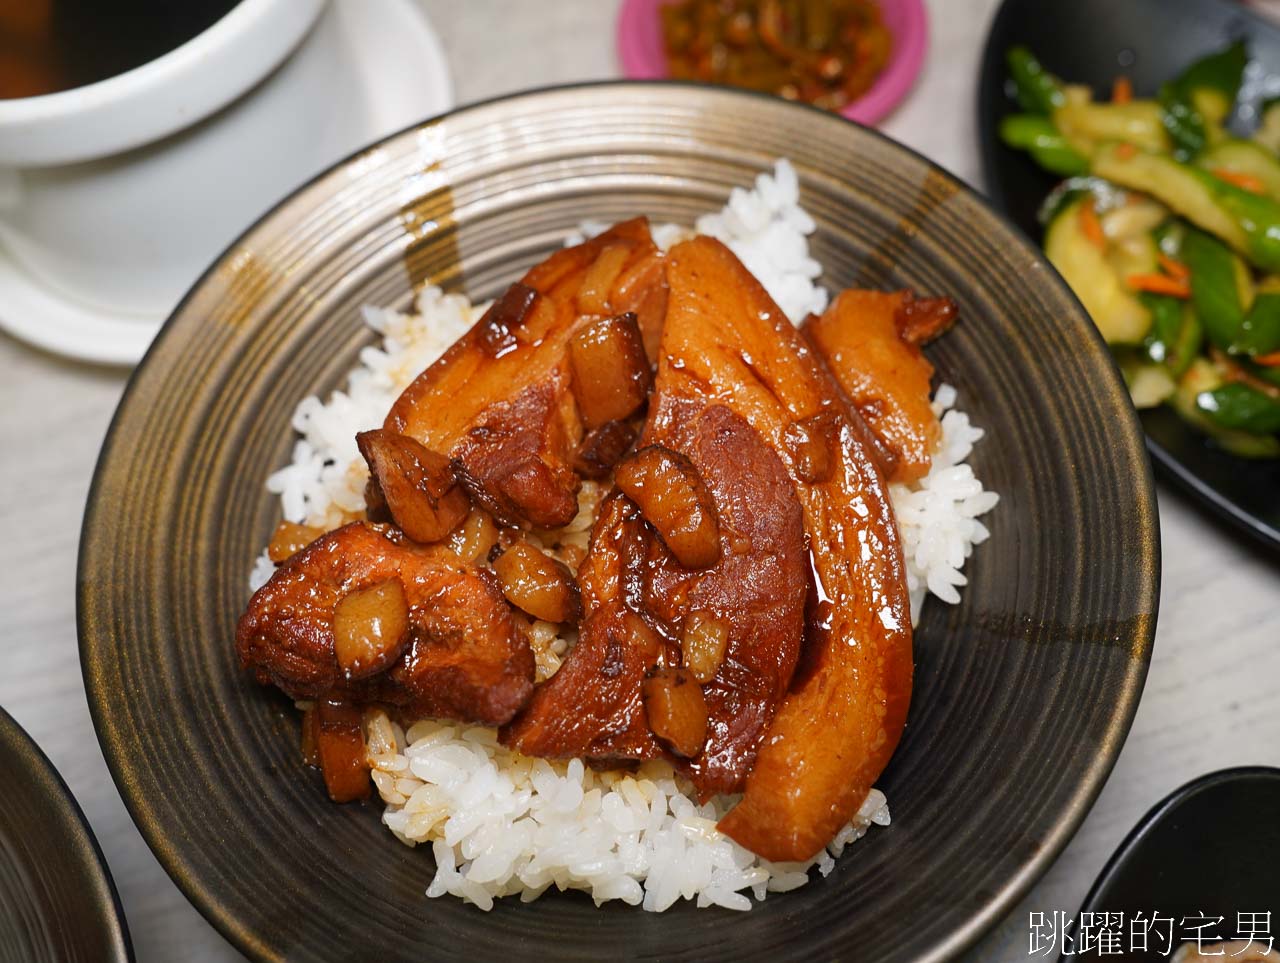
x=769 y=232
x=500 y=823
x=938 y=516
x=326 y=477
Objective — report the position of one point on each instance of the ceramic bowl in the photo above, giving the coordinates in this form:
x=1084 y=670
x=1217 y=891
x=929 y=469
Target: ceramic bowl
x=1203 y=859
x=58 y=903
x=1024 y=692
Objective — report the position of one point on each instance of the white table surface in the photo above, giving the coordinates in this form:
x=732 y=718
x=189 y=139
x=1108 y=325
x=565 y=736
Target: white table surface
x=1210 y=697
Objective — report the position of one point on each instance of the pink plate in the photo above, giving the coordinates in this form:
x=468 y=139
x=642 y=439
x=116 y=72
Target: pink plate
x=640 y=50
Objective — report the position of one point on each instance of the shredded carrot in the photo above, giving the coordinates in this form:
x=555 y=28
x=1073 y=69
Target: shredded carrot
x=1121 y=90
x=1271 y=360
x=1175 y=269
x=1233 y=372
x=1246 y=182
x=1091 y=226
x=1125 y=150
x=1160 y=284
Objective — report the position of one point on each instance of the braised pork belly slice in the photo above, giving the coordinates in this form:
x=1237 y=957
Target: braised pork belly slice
x=739 y=620
x=500 y=402
x=870 y=342
x=593 y=707
x=413 y=486
x=458 y=654
x=725 y=340
x=753 y=597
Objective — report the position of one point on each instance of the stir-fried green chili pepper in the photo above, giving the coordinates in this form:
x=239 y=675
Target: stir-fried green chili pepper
x=1166 y=322
x=1214 y=290
x=1038 y=90
x=1176 y=334
x=1038 y=137
x=1200 y=99
x=1257 y=216
x=1201 y=380
x=1188 y=344
x=1260 y=332
x=1242 y=408
x=1219 y=73
x=1270 y=375
x=1183 y=122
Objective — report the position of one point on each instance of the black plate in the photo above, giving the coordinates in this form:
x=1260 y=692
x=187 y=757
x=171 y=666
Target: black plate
x=1091 y=41
x=57 y=901
x=1209 y=849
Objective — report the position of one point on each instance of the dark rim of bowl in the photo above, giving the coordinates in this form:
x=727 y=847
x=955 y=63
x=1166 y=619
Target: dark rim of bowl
x=1001 y=903
x=990 y=76
x=1157 y=813
x=116 y=943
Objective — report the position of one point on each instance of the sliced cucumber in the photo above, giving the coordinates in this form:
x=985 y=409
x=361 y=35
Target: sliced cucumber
x=1244 y=157
x=1088 y=125
x=1116 y=311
